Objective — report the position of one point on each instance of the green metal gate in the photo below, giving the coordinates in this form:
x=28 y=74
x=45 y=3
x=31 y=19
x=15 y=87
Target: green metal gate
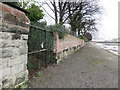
x=40 y=48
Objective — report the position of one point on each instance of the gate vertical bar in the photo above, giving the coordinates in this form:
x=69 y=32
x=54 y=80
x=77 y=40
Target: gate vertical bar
x=46 y=49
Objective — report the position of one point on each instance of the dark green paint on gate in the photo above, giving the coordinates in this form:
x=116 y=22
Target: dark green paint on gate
x=40 y=48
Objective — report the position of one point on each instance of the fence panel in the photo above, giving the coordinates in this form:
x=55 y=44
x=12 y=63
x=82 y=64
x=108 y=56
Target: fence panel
x=40 y=48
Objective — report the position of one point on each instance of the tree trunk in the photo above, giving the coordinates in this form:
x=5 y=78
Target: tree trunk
x=55 y=8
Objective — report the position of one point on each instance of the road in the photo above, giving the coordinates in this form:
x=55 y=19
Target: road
x=89 y=67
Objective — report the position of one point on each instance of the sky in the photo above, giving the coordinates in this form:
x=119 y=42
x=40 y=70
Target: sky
x=109 y=20
x=108 y=24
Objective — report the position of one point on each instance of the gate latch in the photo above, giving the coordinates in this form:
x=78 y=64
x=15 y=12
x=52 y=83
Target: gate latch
x=42 y=45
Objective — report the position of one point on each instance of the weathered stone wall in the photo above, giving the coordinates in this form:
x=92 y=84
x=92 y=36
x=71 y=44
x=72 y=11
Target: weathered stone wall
x=13 y=46
x=66 y=46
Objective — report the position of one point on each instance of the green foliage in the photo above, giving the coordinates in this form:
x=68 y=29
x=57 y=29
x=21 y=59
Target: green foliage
x=31 y=66
x=19 y=4
x=15 y=3
x=18 y=88
x=35 y=13
x=42 y=24
x=83 y=18
x=59 y=29
x=88 y=36
x=83 y=37
x=75 y=21
x=38 y=74
x=23 y=85
x=26 y=82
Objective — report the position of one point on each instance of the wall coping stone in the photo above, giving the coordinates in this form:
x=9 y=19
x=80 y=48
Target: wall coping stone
x=15 y=15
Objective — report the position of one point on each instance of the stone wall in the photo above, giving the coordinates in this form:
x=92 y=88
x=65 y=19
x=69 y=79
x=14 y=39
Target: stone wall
x=13 y=46
x=66 y=46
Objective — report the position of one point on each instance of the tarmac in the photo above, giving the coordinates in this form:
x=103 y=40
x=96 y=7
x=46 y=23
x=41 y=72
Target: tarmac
x=89 y=67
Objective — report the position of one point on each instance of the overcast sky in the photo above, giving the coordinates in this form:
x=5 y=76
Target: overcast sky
x=109 y=21
x=108 y=28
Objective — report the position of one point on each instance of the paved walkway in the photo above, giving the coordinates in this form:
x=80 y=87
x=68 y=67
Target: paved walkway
x=89 y=67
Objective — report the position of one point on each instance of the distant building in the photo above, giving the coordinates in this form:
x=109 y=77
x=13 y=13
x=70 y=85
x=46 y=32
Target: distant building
x=116 y=40
x=99 y=40
x=102 y=40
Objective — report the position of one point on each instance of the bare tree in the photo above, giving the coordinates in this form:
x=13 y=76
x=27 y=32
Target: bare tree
x=83 y=19
x=61 y=10
x=80 y=15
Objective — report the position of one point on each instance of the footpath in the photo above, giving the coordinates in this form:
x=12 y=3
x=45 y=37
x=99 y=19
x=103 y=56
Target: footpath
x=89 y=67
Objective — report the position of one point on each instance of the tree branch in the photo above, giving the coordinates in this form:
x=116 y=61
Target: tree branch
x=45 y=10
x=49 y=6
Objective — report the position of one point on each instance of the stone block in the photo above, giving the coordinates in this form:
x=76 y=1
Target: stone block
x=7 y=52
x=5 y=63
x=15 y=53
x=1 y=75
x=1 y=43
x=7 y=82
x=17 y=68
x=10 y=43
x=0 y=56
x=19 y=60
x=23 y=49
x=0 y=66
x=24 y=37
x=1 y=85
x=20 y=77
x=0 y=13
x=6 y=35
x=25 y=66
x=6 y=72
x=1 y=16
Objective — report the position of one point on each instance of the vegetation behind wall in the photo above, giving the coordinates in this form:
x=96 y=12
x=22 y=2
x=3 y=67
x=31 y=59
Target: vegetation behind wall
x=60 y=29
